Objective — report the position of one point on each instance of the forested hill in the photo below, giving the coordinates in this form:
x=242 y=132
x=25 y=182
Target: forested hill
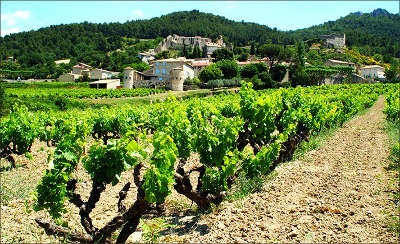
x=72 y=40
x=378 y=31
x=85 y=41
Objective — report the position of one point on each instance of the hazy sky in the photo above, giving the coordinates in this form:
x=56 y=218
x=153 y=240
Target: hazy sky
x=17 y=16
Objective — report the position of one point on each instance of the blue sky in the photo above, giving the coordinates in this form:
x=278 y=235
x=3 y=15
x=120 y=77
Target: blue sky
x=17 y=16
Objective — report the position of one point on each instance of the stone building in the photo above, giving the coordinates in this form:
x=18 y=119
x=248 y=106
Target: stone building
x=105 y=84
x=69 y=77
x=174 y=42
x=178 y=42
x=373 y=72
x=147 y=56
x=177 y=78
x=334 y=40
x=199 y=64
x=99 y=74
x=333 y=62
x=162 y=68
x=81 y=68
x=135 y=79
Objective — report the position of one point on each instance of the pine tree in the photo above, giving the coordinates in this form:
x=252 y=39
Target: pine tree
x=252 y=49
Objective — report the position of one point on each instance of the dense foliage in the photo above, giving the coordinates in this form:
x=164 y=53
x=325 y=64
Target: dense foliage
x=376 y=32
x=90 y=42
x=79 y=93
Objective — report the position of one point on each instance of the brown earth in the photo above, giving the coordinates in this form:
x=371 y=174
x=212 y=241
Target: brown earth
x=338 y=193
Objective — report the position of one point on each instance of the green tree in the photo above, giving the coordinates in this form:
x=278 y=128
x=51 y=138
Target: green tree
x=221 y=54
x=278 y=72
x=314 y=58
x=204 y=52
x=229 y=68
x=211 y=72
x=142 y=66
x=2 y=100
x=185 y=51
x=274 y=52
x=267 y=80
x=164 y=55
x=196 y=52
x=243 y=57
x=392 y=73
x=261 y=67
x=252 y=48
x=248 y=71
x=300 y=53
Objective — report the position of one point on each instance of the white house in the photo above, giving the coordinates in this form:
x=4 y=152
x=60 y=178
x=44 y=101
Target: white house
x=105 y=84
x=372 y=71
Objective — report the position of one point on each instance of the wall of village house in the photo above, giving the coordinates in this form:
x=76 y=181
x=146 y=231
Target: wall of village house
x=371 y=73
x=162 y=69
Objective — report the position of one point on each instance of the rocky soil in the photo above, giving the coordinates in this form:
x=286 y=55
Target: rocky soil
x=337 y=193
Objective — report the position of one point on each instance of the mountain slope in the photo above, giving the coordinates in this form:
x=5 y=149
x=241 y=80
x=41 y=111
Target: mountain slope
x=379 y=30
x=70 y=40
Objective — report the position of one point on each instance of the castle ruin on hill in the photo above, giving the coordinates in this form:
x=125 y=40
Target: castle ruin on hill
x=334 y=40
x=177 y=42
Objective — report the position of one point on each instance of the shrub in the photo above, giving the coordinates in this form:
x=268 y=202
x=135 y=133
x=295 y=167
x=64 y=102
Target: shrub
x=278 y=72
x=234 y=82
x=229 y=68
x=248 y=71
x=211 y=72
x=243 y=57
x=2 y=100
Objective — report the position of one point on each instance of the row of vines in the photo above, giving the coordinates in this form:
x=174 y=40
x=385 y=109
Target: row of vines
x=79 y=92
x=247 y=133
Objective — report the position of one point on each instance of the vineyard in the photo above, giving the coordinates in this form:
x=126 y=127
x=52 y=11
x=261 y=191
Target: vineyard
x=151 y=149
x=79 y=92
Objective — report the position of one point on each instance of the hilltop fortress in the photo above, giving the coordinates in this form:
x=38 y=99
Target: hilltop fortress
x=177 y=42
x=334 y=40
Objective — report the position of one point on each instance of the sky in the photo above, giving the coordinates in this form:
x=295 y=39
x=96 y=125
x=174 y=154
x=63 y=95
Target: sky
x=17 y=16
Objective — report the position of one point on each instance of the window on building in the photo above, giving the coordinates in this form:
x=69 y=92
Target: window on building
x=164 y=71
x=157 y=71
x=160 y=78
x=157 y=63
x=164 y=64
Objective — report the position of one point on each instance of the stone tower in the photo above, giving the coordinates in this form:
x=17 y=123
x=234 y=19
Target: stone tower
x=176 y=79
x=128 y=77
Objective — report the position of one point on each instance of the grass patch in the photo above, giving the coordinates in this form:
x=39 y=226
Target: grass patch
x=393 y=132
x=13 y=188
x=245 y=186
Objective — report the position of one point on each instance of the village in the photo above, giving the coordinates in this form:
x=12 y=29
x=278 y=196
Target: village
x=172 y=73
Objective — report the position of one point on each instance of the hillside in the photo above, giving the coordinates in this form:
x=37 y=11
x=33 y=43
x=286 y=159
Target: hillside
x=376 y=32
x=379 y=30
x=73 y=40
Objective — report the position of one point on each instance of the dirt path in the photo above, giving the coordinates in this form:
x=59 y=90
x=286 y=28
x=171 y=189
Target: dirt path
x=337 y=193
